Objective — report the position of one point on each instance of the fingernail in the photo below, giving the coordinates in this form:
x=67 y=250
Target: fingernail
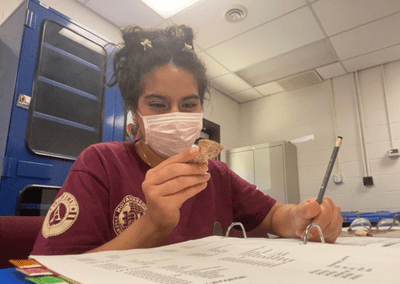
x=204 y=168
x=193 y=149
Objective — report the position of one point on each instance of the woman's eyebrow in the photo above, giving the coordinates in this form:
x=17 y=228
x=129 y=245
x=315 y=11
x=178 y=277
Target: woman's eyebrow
x=190 y=97
x=163 y=97
x=154 y=96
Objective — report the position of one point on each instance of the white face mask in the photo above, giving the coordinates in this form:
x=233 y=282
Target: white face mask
x=171 y=133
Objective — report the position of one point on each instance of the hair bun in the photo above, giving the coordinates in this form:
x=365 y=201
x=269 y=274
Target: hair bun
x=187 y=34
x=132 y=36
x=181 y=34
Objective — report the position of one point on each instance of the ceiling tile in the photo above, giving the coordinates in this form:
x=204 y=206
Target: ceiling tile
x=277 y=37
x=196 y=47
x=133 y=12
x=340 y=15
x=372 y=59
x=270 y=88
x=164 y=24
x=214 y=68
x=247 y=95
x=331 y=70
x=230 y=83
x=207 y=18
x=304 y=58
x=371 y=37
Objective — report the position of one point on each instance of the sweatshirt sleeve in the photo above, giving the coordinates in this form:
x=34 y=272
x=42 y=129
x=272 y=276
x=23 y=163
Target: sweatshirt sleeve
x=77 y=221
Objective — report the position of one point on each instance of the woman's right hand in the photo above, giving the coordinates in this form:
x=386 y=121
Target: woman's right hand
x=168 y=185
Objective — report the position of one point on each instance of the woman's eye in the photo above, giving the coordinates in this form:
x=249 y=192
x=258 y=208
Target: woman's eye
x=189 y=105
x=157 y=105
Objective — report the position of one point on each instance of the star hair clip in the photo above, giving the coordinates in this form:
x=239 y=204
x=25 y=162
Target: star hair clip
x=188 y=46
x=146 y=43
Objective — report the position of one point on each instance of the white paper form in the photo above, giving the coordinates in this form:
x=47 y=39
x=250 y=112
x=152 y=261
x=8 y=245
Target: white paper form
x=215 y=260
x=369 y=241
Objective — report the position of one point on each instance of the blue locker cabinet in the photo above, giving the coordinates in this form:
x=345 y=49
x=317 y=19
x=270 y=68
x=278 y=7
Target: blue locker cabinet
x=54 y=102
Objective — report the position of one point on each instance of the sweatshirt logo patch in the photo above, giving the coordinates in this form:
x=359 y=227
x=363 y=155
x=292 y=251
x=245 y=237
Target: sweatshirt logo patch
x=61 y=216
x=128 y=210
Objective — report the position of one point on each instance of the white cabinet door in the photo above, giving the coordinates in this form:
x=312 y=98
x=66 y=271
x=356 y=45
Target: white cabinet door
x=242 y=163
x=272 y=167
x=269 y=172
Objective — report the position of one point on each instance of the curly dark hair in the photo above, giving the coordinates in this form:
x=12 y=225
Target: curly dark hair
x=133 y=62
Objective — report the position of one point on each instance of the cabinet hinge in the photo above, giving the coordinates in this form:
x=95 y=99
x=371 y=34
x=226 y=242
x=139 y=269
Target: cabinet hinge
x=30 y=19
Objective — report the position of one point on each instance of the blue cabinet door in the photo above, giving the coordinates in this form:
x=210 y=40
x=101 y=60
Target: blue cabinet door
x=63 y=69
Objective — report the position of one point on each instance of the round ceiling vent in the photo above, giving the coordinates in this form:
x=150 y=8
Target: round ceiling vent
x=236 y=14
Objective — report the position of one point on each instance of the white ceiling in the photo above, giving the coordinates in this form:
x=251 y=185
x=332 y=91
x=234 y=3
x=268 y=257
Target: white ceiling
x=278 y=39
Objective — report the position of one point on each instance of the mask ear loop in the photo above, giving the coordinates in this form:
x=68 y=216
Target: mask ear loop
x=138 y=136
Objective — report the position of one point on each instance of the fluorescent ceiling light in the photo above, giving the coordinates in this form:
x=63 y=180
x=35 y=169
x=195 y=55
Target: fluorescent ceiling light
x=169 y=8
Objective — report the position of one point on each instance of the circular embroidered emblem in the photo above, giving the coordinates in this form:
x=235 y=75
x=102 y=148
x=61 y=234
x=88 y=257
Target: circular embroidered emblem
x=127 y=211
x=62 y=214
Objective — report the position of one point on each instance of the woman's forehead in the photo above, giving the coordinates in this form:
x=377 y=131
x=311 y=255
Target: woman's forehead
x=170 y=80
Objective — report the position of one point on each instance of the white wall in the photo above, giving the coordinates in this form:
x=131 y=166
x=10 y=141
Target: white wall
x=7 y=7
x=329 y=109
x=224 y=111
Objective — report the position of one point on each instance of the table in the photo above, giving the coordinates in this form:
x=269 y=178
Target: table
x=10 y=275
x=373 y=217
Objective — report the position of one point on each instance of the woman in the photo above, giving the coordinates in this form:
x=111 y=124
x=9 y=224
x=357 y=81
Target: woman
x=144 y=193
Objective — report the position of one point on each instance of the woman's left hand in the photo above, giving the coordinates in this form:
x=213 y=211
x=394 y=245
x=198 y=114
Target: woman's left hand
x=327 y=216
